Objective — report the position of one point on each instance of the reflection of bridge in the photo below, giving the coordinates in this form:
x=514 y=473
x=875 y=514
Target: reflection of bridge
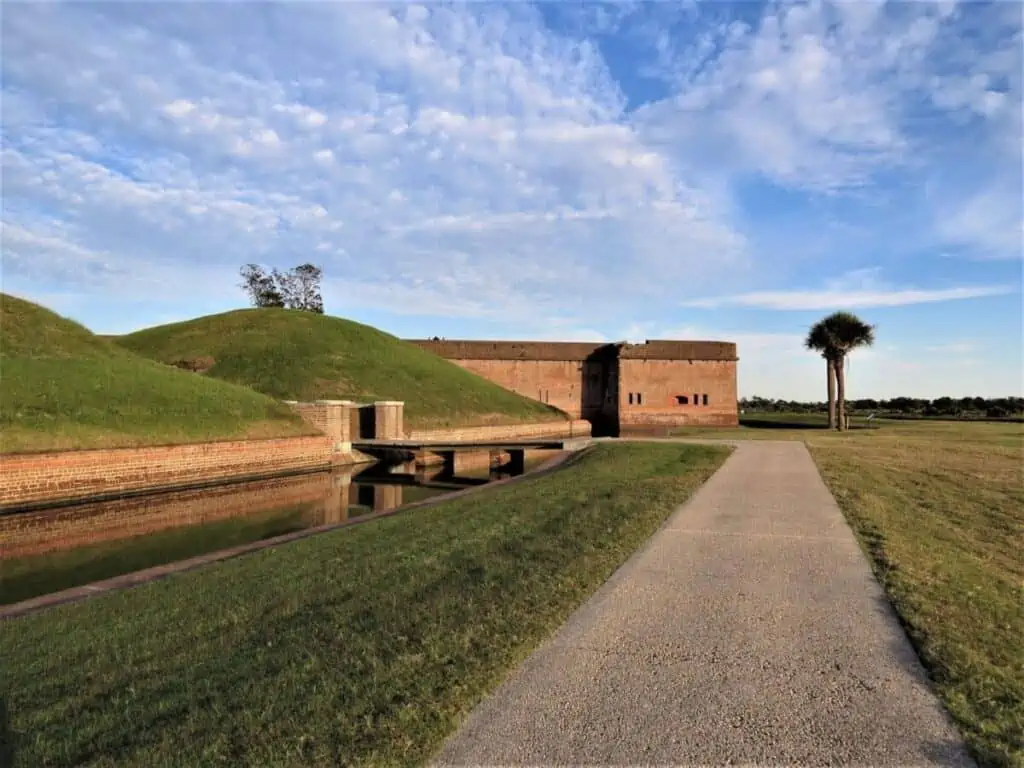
x=516 y=449
x=436 y=481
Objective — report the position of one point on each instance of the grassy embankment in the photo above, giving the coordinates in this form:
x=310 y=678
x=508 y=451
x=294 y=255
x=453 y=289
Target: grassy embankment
x=362 y=646
x=939 y=509
x=62 y=387
x=295 y=355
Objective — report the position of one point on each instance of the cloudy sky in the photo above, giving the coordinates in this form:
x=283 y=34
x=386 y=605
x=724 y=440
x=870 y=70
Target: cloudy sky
x=553 y=171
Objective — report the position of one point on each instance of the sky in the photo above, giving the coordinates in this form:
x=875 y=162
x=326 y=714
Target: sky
x=558 y=171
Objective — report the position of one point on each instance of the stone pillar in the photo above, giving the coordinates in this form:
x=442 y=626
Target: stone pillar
x=388 y=418
x=338 y=423
x=332 y=418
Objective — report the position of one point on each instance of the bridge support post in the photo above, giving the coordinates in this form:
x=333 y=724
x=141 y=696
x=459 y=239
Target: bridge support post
x=517 y=460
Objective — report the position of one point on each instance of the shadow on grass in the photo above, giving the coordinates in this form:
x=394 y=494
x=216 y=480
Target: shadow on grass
x=962 y=746
x=7 y=735
x=761 y=422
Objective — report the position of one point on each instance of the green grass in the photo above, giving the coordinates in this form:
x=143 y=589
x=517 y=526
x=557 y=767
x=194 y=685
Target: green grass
x=367 y=645
x=294 y=355
x=62 y=387
x=939 y=509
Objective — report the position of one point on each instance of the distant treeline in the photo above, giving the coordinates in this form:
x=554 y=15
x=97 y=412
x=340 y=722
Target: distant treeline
x=901 y=407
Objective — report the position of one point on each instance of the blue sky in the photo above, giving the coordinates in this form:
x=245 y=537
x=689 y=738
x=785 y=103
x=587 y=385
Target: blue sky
x=554 y=171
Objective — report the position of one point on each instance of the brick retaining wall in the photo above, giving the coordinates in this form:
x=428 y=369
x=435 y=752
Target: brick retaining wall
x=65 y=475
x=36 y=477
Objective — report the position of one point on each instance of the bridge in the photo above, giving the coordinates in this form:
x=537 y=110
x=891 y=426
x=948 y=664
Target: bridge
x=448 y=448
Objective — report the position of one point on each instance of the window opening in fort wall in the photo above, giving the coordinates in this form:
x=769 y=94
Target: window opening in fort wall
x=619 y=388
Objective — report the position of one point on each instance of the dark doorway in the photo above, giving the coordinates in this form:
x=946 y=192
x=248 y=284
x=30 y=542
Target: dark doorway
x=600 y=396
x=367 y=422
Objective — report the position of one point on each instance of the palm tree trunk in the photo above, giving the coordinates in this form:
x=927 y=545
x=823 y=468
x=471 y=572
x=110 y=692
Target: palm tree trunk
x=841 y=394
x=831 y=373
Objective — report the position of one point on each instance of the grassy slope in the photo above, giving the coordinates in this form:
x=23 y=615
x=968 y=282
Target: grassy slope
x=62 y=387
x=296 y=355
x=361 y=646
x=939 y=509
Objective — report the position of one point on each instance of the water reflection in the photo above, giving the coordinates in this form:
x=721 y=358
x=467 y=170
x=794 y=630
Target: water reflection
x=53 y=549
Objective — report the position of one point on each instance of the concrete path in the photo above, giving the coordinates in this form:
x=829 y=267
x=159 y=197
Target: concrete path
x=749 y=630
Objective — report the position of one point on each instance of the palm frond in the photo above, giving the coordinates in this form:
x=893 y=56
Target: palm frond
x=847 y=331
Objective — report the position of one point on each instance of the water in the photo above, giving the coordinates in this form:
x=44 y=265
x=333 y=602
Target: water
x=59 y=548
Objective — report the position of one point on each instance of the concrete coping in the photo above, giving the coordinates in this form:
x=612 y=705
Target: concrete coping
x=336 y=402
x=389 y=402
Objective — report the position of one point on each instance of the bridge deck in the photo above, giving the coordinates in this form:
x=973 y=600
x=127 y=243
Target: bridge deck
x=558 y=444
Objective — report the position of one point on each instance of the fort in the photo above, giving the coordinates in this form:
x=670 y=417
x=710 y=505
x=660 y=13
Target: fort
x=619 y=388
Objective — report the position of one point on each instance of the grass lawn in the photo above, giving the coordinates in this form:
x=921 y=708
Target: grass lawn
x=293 y=355
x=62 y=387
x=362 y=646
x=939 y=508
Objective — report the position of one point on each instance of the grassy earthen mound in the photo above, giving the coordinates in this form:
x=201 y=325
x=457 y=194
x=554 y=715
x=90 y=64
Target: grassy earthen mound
x=63 y=387
x=295 y=355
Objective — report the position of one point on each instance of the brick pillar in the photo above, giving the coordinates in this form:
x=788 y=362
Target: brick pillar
x=388 y=418
x=337 y=423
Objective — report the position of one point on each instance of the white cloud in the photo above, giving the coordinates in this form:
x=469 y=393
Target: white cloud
x=424 y=135
x=823 y=300
x=989 y=223
x=475 y=162
x=179 y=108
x=776 y=365
x=954 y=347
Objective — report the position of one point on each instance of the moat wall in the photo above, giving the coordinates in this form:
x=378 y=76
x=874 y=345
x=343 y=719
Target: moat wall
x=52 y=477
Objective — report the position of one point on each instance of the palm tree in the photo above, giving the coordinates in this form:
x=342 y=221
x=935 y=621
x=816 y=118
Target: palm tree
x=835 y=337
x=819 y=340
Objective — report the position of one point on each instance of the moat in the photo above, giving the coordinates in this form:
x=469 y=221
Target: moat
x=59 y=548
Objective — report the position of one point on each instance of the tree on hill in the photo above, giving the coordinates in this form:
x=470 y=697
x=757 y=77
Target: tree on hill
x=298 y=288
x=260 y=287
x=835 y=337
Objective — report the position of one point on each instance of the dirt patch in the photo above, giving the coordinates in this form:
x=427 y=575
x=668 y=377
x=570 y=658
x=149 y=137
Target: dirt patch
x=195 y=364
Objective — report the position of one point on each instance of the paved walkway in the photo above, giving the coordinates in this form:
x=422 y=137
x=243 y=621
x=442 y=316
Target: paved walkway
x=749 y=630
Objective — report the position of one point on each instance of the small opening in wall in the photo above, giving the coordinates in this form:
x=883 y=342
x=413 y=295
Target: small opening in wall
x=696 y=400
x=630 y=398
x=705 y=399
x=682 y=400
x=639 y=398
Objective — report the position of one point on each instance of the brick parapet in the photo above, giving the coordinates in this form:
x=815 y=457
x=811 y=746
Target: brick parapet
x=652 y=349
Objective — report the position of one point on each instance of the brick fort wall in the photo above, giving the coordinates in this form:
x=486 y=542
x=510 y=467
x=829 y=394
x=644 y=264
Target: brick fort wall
x=617 y=387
